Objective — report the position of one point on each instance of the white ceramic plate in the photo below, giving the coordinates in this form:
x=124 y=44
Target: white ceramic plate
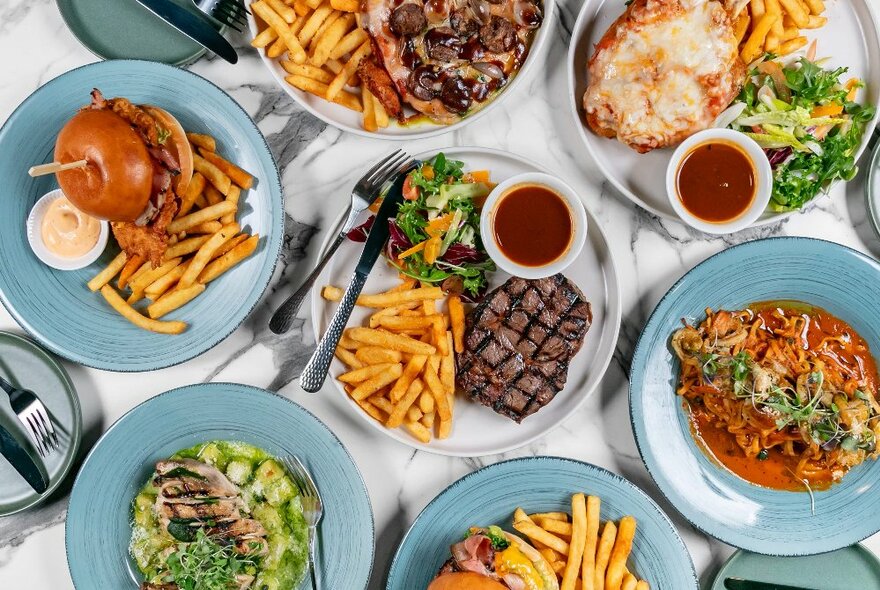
x=849 y=39
x=351 y=121
x=594 y=272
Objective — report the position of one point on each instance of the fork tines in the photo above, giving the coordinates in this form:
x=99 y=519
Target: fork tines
x=231 y=13
x=384 y=170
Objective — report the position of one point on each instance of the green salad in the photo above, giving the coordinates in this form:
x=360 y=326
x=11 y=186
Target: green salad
x=808 y=122
x=219 y=516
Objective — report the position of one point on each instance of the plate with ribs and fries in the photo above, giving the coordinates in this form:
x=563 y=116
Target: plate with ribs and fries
x=448 y=354
x=190 y=191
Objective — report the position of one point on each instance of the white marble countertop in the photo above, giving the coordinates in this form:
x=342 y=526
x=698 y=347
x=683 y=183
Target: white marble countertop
x=650 y=254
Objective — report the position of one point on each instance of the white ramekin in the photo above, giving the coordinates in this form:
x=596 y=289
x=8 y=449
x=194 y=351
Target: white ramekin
x=578 y=221
x=35 y=238
x=763 y=173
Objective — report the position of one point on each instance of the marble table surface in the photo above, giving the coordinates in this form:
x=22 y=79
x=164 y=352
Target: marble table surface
x=650 y=254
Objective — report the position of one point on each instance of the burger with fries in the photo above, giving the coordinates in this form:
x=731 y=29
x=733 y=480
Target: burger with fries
x=493 y=559
x=137 y=161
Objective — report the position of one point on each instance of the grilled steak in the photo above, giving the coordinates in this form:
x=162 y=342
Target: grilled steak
x=518 y=344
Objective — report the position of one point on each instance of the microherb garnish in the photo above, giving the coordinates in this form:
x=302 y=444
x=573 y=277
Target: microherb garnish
x=207 y=564
x=163 y=134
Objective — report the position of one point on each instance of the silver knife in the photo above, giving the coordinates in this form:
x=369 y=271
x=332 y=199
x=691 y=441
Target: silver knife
x=315 y=373
x=21 y=460
x=742 y=584
x=194 y=26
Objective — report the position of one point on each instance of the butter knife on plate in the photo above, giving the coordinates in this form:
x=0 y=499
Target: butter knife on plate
x=743 y=584
x=22 y=462
x=195 y=26
x=315 y=373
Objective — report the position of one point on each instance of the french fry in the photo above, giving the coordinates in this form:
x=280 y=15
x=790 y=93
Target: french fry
x=142 y=281
x=603 y=553
x=364 y=373
x=432 y=380
x=351 y=41
x=791 y=46
x=210 y=213
x=131 y=265
x=132 y=315
x=407 y=322
x=201 y=201
x=155 y=289
x=331 y=293
x=578 y=541
x=815 y=6
x=319 y=89
x=519 y=515
x=372 y=355
x=242 y=178
x=741 y=26
x=414 y=414
x=213 y=196
x=816 y=22
x=371 y=410
x=428 y=420
x=369 y=111
x=265 y=12
x=327 y=40
x=588 y=569
x=758 y=8
x=396 y=298
x=283 y=10
x=629 y=582
x=374 y=384
x=221 y=264
x=301 y=7
x=422 y=434
x=550 y=555
x=797 y=11
x=642 y=585
x=536 y=533
x=447 y=367
x=438 y=335
x=211 y=173
x=347 y=357
x=384 y=312
x=229 y=245
x=426 y=402
x=205 y=141
x=381 y=114
x=313 y=3
x=193 y=190
x=345 y=5
x=107 y=274
x=307 y=70
x=402 y=406
x=348 y=70
x=622 y=547
x=313 y=23
x=204 y=254
x=755 y=43
x=232 y=197
x=560 y=516
x=381 y=402
x=412 y=370
x=264 y=38
x=174 y=300
x=777 y=27
x=391 y=340
x=558 y=527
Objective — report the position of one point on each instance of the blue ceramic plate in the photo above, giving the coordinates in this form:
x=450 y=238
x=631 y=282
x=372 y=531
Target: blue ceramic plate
x=98 y=519
x=55 y=307
x=715 y=500
x=539 y=484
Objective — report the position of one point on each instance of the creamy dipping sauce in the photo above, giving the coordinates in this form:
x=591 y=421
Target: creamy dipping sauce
x=68 y=232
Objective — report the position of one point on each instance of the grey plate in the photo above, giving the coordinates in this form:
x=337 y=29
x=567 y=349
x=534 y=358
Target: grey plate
x=123 y=29
x=28 y=366
x=872 y=187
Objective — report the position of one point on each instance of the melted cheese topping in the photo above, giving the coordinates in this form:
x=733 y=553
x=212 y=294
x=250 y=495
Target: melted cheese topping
x=664 y=72
x=513 y=561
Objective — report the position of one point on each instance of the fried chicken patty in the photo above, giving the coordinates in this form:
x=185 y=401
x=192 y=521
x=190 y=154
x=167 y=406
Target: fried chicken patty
x=663 y=71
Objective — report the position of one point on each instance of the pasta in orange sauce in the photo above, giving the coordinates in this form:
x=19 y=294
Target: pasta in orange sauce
x=782 y=393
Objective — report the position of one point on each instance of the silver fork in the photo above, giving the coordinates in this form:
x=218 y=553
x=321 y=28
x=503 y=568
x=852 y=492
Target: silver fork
x=228 y=12
x=313 y=508
x=33 y=415
x=365 y=192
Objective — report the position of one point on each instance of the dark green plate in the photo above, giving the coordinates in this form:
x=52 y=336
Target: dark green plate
x=123 y=29
x=28 y=366
x=850 y=568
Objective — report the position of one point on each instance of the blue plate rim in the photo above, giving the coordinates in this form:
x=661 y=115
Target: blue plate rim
x=638 y=351
x=214 y=340
x=257 y=390
x=395 y=562
x=75 y=435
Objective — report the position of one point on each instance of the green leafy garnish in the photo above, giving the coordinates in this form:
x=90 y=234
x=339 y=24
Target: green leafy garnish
x=498 y=538
x=163 y=134
x=207 y=564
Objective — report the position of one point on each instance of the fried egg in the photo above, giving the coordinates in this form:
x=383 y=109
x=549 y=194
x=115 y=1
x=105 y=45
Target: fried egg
x=663 y=71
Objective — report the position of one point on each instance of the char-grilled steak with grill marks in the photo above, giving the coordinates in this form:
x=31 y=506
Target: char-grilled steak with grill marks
x=519 y=342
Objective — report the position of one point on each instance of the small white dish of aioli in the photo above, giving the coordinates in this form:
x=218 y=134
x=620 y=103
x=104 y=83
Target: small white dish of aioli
x=62 y=236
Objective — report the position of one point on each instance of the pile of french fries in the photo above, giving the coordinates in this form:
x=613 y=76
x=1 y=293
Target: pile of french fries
x=775 y=26
x=582 y=558
x=402 y=364
x=205 y=241
x=319 y=43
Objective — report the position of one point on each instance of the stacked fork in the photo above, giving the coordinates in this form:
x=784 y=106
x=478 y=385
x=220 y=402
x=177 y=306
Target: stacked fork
x=33 y=415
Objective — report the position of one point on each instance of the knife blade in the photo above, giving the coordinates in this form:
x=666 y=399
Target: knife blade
x=315 y=373
x=193 y=25
x=21 y=460
x=743 y=584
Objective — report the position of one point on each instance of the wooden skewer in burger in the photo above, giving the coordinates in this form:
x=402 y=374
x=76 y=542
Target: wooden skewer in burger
x=127 y=164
